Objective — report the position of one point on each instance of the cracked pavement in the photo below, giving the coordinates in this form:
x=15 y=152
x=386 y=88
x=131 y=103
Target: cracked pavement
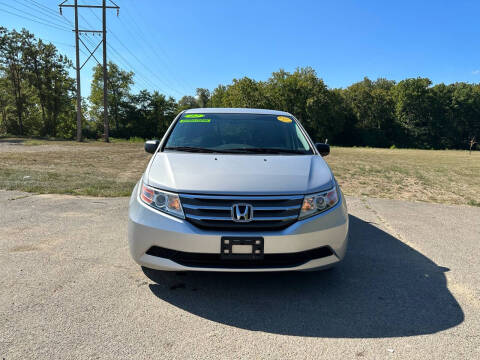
x=408 y=288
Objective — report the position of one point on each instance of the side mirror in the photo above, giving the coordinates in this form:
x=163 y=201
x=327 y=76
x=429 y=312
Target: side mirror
x=151 y=146
x=323 y=149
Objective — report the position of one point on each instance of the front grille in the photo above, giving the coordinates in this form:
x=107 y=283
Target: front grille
x=284 y=260
x=214 y=211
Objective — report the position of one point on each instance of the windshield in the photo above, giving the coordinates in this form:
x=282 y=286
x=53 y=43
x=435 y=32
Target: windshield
x=237 y=133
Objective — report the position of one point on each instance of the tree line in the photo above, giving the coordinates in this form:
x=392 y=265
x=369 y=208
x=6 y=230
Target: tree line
x=37 y=98
x=380 y=113
x=36 y=91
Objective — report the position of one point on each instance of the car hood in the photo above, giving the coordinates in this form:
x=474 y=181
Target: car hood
x=239 y=174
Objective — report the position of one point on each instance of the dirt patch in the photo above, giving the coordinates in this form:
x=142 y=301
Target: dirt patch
x=24 y=248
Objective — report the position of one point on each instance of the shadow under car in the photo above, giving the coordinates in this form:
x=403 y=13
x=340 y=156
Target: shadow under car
x=383 y=288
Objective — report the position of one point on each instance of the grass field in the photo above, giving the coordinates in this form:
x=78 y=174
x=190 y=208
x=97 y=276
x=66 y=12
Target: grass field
x=67 y=167
x=99 y=169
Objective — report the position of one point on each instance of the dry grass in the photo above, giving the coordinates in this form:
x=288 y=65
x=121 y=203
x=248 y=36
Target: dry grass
x=100 y=169
x=444 y=176
x=66 y=167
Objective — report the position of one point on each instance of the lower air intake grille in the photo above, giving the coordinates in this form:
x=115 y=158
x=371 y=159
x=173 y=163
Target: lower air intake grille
x=284 y=260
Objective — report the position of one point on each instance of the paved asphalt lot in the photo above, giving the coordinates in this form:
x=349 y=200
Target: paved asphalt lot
x=408 y=288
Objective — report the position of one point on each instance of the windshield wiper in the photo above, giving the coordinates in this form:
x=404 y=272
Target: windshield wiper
x=195 y=149
x=260 y=150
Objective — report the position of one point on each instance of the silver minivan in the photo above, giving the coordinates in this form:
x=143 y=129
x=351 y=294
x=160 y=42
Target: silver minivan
x=237 y=190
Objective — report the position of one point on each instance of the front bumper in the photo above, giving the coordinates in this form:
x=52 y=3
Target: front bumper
x=148 y=228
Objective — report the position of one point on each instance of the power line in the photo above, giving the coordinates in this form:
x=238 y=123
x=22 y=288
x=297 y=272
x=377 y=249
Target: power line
x=51 y=15
x=140 y=77
x=128 y=66
x=154 y=74
x=41 y=6
x=35 y=21
x=143 y=64
x=69 y=22
x=42 y=10
x=56 y=42
x=85 y=20
x=154 y=47
x=167 y=60
x=168 y=80
x=146 y=81
x=48 y=12
x=32 y=15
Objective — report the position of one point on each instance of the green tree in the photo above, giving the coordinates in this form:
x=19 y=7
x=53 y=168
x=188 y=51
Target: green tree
x=203 y=97
x=118 y=92
x=5 y=105
x=217 y=99
x=48 y=73
x=11 y=55
x=37 y=97
x=414 y=110
x=245 y=92
x=36 y=90
x=164 y=111
x=187 y=102
x=308 y=98
x=372 y=104
x=465 y=113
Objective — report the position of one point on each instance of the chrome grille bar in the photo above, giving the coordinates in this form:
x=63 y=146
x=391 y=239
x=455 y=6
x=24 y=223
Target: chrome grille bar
x=206 y=207
x=256 y=218
x=215 y=211
x=228 y=208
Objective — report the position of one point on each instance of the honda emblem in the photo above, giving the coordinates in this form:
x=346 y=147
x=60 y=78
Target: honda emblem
x=242 y=212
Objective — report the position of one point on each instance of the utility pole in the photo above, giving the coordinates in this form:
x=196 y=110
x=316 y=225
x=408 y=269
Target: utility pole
x=79 y=67
x=105 y=74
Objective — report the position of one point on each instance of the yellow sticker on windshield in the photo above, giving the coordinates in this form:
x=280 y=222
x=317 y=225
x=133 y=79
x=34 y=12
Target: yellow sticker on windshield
x=190 y=116
x=284 y=119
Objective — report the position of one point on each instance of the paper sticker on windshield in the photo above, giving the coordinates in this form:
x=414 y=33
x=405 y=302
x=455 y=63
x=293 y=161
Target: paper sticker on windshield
x=284 y=119
x=195 y=120
x=194 y=116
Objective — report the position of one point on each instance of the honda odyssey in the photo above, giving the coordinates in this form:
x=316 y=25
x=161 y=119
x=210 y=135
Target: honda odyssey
x=237 y=190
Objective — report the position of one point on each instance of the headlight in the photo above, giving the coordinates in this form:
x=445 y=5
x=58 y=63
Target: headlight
x=162 y=200
x=317 y=203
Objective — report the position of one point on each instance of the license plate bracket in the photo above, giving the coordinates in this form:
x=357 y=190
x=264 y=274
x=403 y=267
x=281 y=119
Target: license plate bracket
x=241 y=248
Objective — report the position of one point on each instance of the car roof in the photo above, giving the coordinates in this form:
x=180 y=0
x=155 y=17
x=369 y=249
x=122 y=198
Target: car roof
x=236 y=111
